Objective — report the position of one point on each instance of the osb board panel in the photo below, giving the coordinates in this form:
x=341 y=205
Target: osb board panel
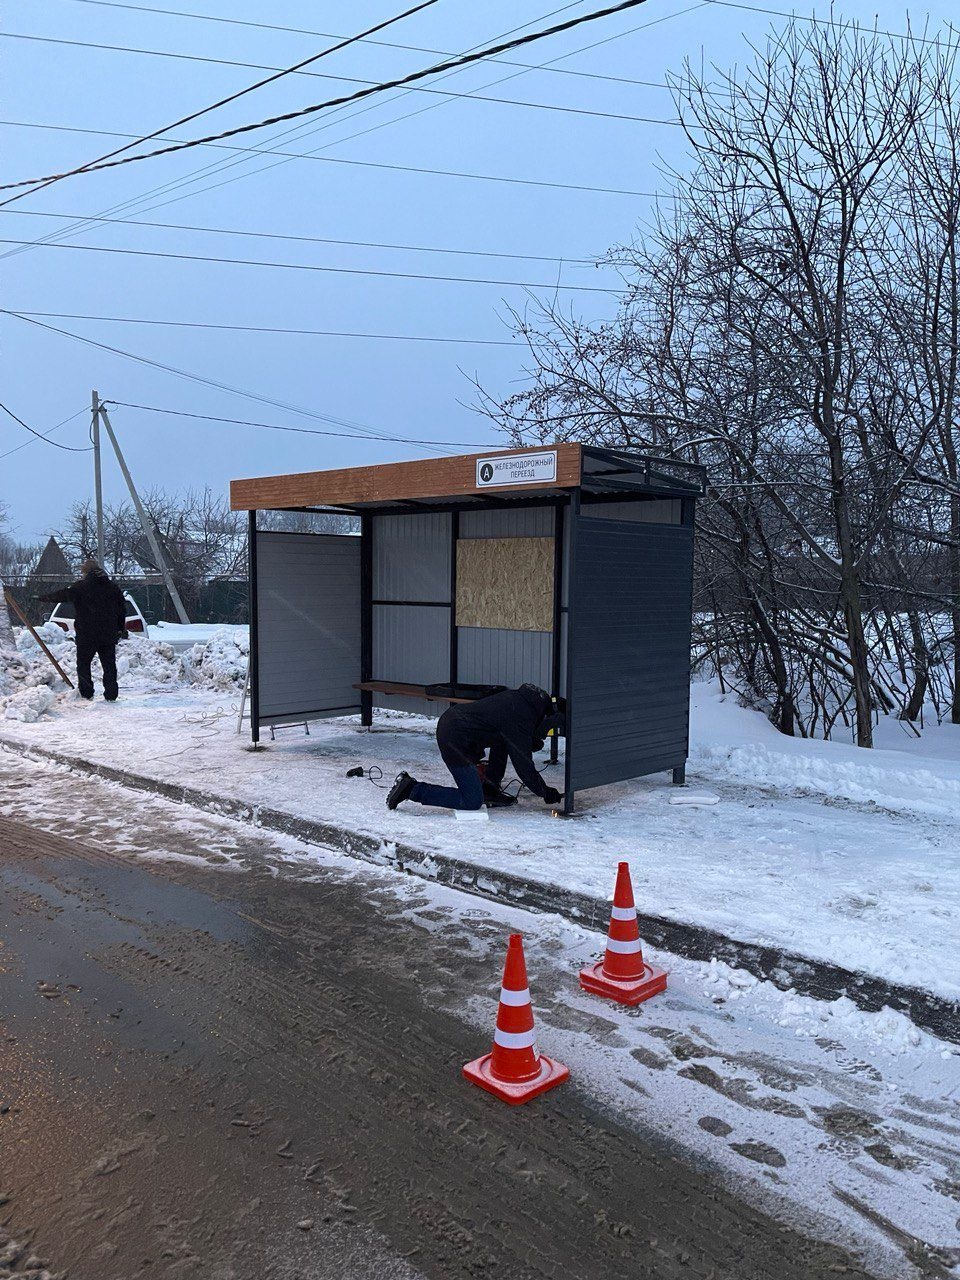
x=505 y=583
x=393 y=482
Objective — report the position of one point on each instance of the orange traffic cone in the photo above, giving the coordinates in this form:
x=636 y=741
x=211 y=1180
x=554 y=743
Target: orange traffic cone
x=622 y=974
x=515 y=1070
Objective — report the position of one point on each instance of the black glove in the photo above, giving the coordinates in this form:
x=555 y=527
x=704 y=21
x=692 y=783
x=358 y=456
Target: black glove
x=550 y=796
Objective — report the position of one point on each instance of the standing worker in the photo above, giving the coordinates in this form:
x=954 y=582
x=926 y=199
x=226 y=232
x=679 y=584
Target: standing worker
x=512 y=725
x=100 y=621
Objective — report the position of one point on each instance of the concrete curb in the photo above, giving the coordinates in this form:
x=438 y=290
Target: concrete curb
x=786 y=969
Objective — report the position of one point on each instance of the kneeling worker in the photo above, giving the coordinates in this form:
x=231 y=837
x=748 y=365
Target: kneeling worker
x=512 y=724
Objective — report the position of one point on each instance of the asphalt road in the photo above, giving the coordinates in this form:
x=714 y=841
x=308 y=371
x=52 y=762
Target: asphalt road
x=234 y=1074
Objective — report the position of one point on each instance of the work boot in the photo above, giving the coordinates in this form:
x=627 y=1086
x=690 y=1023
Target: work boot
x=400 y=790
x=495 y=797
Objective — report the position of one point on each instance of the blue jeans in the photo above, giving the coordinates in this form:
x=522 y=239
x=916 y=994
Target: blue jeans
x=467 y=794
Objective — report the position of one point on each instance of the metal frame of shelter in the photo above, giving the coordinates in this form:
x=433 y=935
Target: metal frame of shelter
x=619 y=645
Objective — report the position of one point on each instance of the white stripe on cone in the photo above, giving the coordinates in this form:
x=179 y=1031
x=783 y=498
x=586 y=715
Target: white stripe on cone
x=623 y=948
x=515 y=1039
x=515 y=998
x=623 y=913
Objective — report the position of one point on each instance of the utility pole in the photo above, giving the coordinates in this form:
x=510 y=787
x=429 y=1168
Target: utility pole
x=145 y=522
x=98 y=484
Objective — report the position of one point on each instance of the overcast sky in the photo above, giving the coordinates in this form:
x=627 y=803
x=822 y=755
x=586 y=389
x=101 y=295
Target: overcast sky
x=379 y=386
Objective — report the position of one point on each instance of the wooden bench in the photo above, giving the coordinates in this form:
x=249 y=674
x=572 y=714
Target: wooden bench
x=397 y=689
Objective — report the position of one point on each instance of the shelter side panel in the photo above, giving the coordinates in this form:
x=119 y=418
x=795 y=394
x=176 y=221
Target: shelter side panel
x=630 y=629
x=308 y=625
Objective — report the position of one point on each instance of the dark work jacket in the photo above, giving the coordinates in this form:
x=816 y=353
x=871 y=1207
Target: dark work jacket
x=99 y=607
x=504 y=722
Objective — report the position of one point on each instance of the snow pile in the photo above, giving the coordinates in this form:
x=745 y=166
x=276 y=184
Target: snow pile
x=149 y=661
x=12 y=670
x=30 y=685
x=219 y=663
x=726 y=983
x=810 y=1018
x=31 y=666
x=28 y=704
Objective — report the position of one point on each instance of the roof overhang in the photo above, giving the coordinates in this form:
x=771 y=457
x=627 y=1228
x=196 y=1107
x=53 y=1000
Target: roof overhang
x=544 y=472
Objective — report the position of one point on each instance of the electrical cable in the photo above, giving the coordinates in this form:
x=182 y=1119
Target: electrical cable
x=277 y=235
x=197 y=377
x=303 y=431
x=372 y=774
x=197 y=175
x=304 y=266
x=357 y=95
x=306 y=155
x=253 y=328
x=68 y=448
x=490 y=84
x=371 y=84
x=383 y=44
x=302 y=130
x=27 y=443
x=277 y=74
x=348 y=80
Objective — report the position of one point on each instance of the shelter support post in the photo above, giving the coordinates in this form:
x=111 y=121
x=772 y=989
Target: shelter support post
x=366 y=617
x=254 y=670
x=454 y=634
x=557 y=618
x=680 y=775
x=573 y=519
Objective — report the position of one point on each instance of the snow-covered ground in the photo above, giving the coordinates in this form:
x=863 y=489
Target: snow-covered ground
x=817 y=847
x=847 y=1122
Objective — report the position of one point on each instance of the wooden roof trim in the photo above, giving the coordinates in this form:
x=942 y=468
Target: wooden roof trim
x=438 y=478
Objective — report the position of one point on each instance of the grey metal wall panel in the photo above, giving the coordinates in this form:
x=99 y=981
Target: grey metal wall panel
x=630 y=697
x=644 y=511
x=308 y=625
x=411 y=643
x=489 y=656
x=411 y=557
x=521 y=522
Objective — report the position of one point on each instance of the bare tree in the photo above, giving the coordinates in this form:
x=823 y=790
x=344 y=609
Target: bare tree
x=790 y=322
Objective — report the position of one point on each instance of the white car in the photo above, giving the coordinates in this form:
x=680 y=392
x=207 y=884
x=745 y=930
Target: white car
x=63 y=617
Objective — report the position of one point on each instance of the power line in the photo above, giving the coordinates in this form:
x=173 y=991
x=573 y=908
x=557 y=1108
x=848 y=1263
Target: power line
x=304 y=266
x=68 y=448
x=363 y=164
x=372 y=86
x=400 y=82
x=303 y=431
x=251 y=328
x=302 y=130
x=46 y=434
x=383 y=44
x=277 y=235
x=194 y=377
x=260 y=84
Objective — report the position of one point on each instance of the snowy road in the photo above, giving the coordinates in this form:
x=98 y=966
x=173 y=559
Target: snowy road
x=224 y=1036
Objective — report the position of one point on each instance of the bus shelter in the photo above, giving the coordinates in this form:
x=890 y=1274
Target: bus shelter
x=567 y=566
